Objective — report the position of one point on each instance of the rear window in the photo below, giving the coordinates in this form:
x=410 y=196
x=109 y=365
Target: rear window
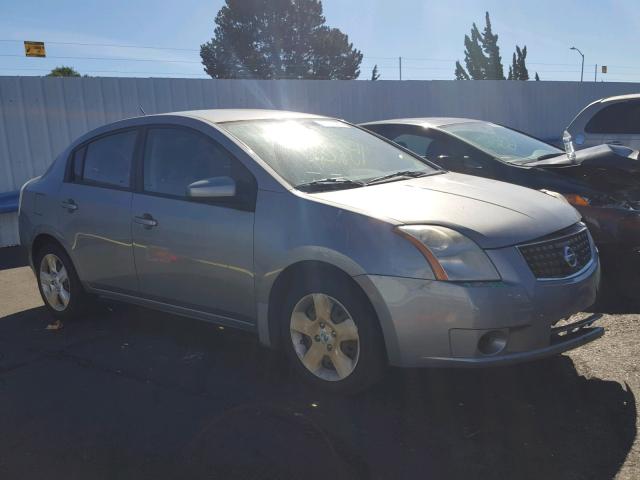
x=107 y=161
x=623 y=117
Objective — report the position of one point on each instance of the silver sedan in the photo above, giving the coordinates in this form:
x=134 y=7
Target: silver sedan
x=346 y=251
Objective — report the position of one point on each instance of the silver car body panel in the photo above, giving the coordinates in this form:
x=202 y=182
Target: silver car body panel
x=221 y=264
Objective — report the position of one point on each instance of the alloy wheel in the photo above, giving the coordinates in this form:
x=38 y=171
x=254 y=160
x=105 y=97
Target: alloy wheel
x=325 y=337
x=54 y=282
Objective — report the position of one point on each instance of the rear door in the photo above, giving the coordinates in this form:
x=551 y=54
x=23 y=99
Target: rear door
x=193 y=253
x=95 y=210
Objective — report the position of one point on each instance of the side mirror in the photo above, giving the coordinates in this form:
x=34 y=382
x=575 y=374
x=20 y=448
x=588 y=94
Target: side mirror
x=216 y=187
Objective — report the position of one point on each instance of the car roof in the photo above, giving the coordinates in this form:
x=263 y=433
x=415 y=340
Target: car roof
x=618 y=98
x=221 y=115
x=423 y=121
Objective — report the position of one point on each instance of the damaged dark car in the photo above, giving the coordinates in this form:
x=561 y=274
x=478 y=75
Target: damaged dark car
x=602 y=182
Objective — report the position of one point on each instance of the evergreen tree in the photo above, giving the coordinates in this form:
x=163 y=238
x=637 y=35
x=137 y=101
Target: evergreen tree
x=474 y=58
x=278 y=39
x=537 y=77
x=494 y=69
x=461 y=74
x=374 y=73
x=481 y=55
x=518 y=69
x=521 y=57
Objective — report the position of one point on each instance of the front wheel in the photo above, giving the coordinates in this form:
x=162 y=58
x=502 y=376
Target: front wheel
x=332 y=337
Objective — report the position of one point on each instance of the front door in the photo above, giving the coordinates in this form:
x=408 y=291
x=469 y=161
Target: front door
x=193 y=253
x=95 y=211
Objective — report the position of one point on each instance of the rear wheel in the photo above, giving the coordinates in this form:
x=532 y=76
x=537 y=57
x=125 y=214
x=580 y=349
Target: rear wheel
x=59 y=284
x=331 y=335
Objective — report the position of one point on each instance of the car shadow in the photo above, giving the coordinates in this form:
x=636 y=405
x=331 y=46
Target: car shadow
x=13 y=257
x=139 y=394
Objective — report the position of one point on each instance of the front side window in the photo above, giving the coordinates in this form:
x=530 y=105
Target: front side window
x=174 y=158
x=501 y=142
x=107 y=160
x=622 y=118
x=308 y=150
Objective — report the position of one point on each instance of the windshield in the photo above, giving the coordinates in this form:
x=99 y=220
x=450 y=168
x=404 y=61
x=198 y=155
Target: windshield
x=308 y=150
x=503 y=143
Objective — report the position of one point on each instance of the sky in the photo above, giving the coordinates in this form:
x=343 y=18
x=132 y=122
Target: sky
x=427 y=34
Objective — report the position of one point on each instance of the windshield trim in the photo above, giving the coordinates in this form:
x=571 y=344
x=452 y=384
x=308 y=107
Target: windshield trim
x=445 y=130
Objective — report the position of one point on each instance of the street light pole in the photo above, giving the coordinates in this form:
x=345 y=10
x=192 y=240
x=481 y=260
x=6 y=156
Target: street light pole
x=582 y=55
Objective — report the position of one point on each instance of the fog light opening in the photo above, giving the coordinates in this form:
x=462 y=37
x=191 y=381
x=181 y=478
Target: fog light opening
x=492 y=342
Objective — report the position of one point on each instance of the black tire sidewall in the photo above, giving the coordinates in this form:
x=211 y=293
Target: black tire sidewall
x=78 y=297
x=372 y=359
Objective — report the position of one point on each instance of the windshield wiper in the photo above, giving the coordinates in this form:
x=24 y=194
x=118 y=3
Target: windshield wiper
x=548 y=155
x=401 y=174
x=329 y=184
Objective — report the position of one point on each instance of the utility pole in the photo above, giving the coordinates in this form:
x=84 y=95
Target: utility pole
x=582 y=68
x=400 y=66
x=595 y=73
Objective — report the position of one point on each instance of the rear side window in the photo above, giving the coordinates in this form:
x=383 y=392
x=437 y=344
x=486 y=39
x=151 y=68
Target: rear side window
x=78 y=159
x=107 y=161
x=415 y=138
x=416 y=143
x=623 y=117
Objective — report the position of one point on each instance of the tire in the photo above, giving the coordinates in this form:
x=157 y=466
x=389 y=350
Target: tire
x=340 y=349
x=60 y=287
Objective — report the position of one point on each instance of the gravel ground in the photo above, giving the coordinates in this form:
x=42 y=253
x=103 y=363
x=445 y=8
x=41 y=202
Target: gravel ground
x=130 y=393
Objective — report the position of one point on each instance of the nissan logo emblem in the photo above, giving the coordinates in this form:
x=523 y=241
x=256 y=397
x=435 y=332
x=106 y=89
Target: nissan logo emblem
x=570 y=256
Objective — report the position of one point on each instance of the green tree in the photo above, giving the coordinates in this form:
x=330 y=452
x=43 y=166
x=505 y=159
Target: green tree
x=537 y=77
x=518 y=69
x=461 y=73
x=494 y=68
x=374 y=73
x=272 y=39
x=63 y=71
x=481 y=55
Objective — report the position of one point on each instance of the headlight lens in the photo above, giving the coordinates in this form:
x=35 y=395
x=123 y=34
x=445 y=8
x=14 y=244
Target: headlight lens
x=452 y=256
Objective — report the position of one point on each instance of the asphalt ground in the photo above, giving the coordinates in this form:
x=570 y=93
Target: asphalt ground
x=133 y=393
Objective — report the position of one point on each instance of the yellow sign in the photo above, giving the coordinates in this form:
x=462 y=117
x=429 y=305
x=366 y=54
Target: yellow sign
x=34 y=49
x=604 y=69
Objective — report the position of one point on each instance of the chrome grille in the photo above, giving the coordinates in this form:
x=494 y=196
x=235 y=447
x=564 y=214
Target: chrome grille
x=558 y=257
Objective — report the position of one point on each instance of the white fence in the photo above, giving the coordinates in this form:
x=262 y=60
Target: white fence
x=40 y=116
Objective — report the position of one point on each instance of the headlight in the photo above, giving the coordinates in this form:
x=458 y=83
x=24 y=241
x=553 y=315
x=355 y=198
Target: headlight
x=452 y=256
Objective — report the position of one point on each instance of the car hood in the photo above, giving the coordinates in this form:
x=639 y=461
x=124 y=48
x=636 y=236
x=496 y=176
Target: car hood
x=494 y=214
x=610 y=169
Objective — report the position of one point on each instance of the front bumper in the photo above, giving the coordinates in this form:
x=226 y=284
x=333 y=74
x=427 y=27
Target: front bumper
x=434 y=323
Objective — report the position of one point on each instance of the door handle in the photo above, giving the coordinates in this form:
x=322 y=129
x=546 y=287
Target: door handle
x=70 y=205
x=146 y=220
